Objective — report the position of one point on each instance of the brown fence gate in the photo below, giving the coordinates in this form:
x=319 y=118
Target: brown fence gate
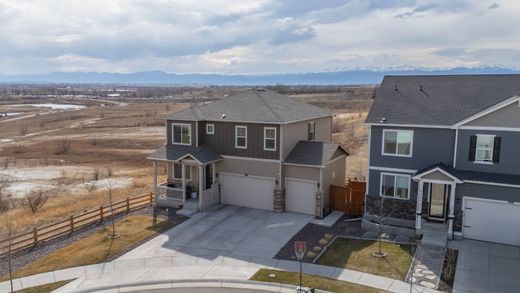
x=348 y=198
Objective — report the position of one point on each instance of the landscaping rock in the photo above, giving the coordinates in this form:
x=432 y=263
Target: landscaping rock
x=402 y=238
x=370 y=235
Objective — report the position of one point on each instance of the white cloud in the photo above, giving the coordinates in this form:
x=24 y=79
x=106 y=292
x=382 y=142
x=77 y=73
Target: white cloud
x=233 y=36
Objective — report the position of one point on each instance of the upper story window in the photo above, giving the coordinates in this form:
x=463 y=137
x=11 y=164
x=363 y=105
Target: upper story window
x=270 y=138
x=241 y=137
x=210 y=128
x=311 y=131
x=397 y=142
x=396 y=186
x=181 y=133
x=484 y=148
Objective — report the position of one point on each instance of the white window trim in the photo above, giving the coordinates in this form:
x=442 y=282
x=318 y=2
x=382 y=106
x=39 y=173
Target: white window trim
x=207 y=129
x=188 y=169
x=265 y=138
x=397 y=144
x=236 y=136
x=173 y=133
x=395 y=174
x=476 y=161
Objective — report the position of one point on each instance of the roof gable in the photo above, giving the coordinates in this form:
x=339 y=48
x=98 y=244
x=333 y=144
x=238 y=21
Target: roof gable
x=314 y=153
x=255 y=105
x=439 y=100
x=505 y=114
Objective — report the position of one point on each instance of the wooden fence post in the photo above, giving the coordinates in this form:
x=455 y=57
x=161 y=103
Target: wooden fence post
x=71 y=224
x=101 y=216
x=127 y=205
x=35 y=236
x=151 y=197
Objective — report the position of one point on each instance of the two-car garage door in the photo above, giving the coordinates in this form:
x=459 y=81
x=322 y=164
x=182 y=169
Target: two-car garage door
x=248 y=191
x=491 y=220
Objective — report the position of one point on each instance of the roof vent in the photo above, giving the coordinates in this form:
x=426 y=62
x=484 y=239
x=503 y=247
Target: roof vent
x=420 y=88
x=260 y=89
x=395 y=88
x=383 y=120
x=223 y=116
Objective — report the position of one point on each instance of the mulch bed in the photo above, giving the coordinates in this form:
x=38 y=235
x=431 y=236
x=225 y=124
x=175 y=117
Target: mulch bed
x=22 y=259
x=312 y=234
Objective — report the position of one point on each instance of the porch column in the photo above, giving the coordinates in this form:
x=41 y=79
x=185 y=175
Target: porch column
x=154 y=171
x=183 y=168
x=451 y=214
x=418 y=211
x=213 y=172
x=201 y=186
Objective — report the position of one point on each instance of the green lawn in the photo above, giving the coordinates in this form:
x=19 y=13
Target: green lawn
x=356 y=254
x=314 y=281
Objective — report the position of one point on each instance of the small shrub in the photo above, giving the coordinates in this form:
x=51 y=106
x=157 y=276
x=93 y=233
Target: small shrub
x=94 y=142
x=23 y=130
x=18 y=149
x=90 y=187
x=311 y=254
x=328 y=236
x=450 y=265
x=317 y=248
x=110 y=171
x=323 y=242
x=36 y=200
x=42 y=123
x=96 y=174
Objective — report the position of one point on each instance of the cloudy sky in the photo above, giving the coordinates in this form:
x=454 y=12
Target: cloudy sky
x=264 y=36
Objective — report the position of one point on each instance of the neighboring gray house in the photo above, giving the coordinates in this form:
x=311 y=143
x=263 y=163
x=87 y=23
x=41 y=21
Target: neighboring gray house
x=257 y=149
x=446 y=149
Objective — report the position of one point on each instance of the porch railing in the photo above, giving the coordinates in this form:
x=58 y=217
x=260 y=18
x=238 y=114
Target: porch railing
x=170 y=193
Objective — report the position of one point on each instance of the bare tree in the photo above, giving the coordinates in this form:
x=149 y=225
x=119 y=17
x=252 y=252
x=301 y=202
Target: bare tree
x=110 y=171
x=63 y=147
x=23 y=130
x=96 y=174
x=112 y=235
x=5 y=204
x=36 y=200
x=7 y=224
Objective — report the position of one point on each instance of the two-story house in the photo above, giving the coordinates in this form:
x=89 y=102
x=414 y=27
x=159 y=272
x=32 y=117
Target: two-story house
x=446 y=149
x=257 y=149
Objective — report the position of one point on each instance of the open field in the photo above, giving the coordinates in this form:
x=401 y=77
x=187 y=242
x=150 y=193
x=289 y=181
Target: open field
x=73 y=155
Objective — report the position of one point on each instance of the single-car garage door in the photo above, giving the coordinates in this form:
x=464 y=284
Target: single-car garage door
x=248 y=191
x=490 y=220
x=300 y=196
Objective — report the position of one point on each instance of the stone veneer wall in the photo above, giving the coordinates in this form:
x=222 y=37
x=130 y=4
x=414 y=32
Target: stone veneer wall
x=279 y=200
x=395 y=208
x=457 y=222
x=319 y=210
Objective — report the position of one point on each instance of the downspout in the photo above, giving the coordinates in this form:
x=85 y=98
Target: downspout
x=456 y=147
x=321 y=192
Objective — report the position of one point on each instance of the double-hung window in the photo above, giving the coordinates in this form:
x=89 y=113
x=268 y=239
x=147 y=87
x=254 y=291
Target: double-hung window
x=397 y=142
x=484 y=148
x=181 y=133
x=270 y=138
x=396 y=186
x=177 y=171
x=241 y=137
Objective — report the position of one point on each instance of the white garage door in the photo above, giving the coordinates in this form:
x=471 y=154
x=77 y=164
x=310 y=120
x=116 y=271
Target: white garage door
x=248 y=191
x=493 y=221
x=300 y=196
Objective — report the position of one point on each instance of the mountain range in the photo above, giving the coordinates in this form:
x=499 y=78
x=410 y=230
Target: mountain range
x=343 y=77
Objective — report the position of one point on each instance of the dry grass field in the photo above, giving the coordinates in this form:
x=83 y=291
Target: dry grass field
x=72 y=156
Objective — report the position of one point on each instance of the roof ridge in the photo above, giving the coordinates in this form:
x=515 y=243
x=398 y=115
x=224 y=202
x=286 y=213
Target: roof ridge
x=267 y=105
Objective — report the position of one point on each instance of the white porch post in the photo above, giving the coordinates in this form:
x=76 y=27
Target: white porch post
x=451 y=214
x=213 y=172
x=201 y=186
x=154 y=171
x=183 y=168
x=418 y=212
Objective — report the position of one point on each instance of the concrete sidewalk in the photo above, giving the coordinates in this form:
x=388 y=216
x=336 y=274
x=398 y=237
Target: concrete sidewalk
x=173 y=268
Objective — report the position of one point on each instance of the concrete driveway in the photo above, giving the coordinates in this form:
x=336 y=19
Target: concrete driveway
x=230 y=231
x=487 y=267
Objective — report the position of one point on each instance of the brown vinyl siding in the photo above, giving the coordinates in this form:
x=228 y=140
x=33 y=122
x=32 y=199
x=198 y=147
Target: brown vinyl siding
x=223 y=141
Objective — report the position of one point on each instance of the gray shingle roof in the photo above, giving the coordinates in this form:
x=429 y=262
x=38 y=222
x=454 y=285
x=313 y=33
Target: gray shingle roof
x=312 y=153
x=444 y=99
x=443 y=167
x=253 y=106
x=202 y=154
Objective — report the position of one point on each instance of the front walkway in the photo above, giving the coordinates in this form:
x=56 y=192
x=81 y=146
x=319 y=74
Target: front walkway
x=487 y=267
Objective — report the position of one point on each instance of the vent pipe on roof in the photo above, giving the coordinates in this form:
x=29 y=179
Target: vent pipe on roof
x=223 y=116
x=395 y=88
x=420 y=88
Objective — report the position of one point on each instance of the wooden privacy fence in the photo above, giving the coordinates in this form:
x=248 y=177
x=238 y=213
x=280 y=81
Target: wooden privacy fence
x=348 y=198
x=73 y=223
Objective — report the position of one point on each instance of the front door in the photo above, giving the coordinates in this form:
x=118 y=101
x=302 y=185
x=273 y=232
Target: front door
x=437 y=209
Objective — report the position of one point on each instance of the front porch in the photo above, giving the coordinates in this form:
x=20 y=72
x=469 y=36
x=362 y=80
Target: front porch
x=191 y=180
x=436 y=200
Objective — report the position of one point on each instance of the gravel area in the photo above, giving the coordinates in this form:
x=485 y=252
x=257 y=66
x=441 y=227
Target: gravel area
x=313 y=234
x=27 y=257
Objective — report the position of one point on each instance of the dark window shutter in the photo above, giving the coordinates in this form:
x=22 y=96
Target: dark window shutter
x=472 y=147
x=308 y=131
x=496 y=149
